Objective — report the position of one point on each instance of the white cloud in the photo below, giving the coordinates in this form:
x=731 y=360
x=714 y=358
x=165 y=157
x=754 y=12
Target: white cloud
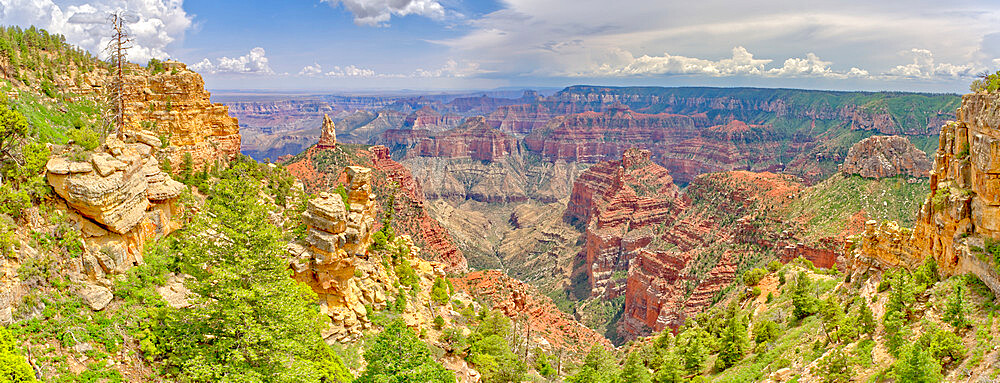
x=924 y=66
x=311 y=70
x=378 y=12
x=451 y=69
x=812 y=65
x=741 y=63
x=254 y=62
x=154 y=25
x=350 y=71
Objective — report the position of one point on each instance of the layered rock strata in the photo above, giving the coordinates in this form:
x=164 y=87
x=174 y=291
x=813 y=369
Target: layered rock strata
x=333 y=259
x=962 y=213
x=174 y=105
x=886 y=156
x=119 y=199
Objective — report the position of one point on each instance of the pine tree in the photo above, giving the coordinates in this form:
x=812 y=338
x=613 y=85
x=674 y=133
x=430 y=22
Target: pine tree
x=734 y=340
x=598 y=367
x=955 y=312
x=866 y=319
x=692 y=348
x=916 y=365
x=836 y=368
x=398 y=356
x=670 y=369
x=803 y=297
x=634 y=370
x=250 y=320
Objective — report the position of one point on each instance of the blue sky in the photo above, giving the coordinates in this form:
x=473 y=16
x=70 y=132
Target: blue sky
x=350 y=45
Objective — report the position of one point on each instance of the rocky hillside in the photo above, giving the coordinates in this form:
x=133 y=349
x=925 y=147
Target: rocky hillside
x=886 y=156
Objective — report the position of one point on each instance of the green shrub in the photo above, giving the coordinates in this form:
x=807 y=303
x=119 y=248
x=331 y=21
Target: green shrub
x=85 y=137
x=753 y=276
x=986 y=82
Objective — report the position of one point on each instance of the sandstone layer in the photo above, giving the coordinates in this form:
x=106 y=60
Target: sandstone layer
x=119 y=199
x=175 y=106
x=962 y=212
x=886 y=156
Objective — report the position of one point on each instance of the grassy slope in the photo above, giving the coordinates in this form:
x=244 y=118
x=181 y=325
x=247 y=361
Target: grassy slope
x=826 y=208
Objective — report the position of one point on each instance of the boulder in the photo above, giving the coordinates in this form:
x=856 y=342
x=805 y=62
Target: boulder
x=97 y=297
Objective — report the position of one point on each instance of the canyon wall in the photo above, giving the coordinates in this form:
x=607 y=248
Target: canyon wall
x=962 y=214
x=886 y=156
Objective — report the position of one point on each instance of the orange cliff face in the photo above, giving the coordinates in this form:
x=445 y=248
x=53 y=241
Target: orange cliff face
x=175 y=105
x=963 y=209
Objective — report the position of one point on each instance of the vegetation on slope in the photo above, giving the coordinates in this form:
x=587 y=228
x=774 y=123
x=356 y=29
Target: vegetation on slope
x=828 y=208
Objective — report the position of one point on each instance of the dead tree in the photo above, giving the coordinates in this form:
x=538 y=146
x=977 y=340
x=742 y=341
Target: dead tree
x=117 y=56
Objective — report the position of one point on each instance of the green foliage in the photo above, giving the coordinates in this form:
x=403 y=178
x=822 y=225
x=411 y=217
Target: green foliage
x=249 y=320
x=397 y=356
x=543 y=364
x=765 y=331
x=85 y=137
x=803 y=297
x=154 y=66
x=492 y=354
x=691 y=346
x=987 y=82
x=945 y=346
x=894 y=323
x=902 y=294
x=439 y=292
x=733 y=341
x=774 y=266
x=753 y=276
x=955 y=311
x=927 y=273
x=670 y=370
x=13 y=367
x=866 y=319
x=836 y=367
x=635 y=370
x=598 y=367
x=917 y=365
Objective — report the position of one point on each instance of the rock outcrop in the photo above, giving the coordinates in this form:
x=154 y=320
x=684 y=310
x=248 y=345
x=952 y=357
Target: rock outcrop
x=333 y=260
x=174 y=105
x=962 y=212
x=320 y=170
x=473 y=139
x=119 y=199
x=328 y=138
x=886 y=156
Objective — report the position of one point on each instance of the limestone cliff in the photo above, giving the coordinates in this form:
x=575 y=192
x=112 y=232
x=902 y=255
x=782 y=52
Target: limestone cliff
x=962 y=212
x=886 y=156
x=174 y=105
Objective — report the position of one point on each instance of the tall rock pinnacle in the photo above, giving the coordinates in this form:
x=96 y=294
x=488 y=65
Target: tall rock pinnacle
x=329 y=137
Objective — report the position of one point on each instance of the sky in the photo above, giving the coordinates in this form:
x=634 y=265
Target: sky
x=377 y=45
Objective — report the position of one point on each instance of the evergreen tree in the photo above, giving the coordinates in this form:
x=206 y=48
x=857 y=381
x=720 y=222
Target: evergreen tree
x=598 y=367
x=734 y=341
x=833 y=316
x=634 y=370
x=13 y=367
x=902 y=294
x=836 y=368
x=397 y=356
x=866 y=319
x=955 y=312
x=803 y=298
x=692 y=348
x=916 y=365
x=670 y=369
x=895 y=330
x=250 y=321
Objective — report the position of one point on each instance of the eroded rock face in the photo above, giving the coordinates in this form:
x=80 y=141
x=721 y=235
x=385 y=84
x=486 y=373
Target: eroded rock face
x=333 y=260
x=963 y=210
x=473 y=139
x=886 y=156
x=119 y=199
x=174 y=104
x=328 y=138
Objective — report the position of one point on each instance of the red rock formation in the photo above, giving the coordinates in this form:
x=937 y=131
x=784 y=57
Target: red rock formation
x=678 y=142
x=886 y=156
x=473 y=139
x=516 y=299
x=427 y=118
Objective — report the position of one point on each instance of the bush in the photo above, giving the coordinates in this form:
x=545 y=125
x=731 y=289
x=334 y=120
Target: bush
x=439 y=292
x=986 y=82
x=753 y=276
x=85 y=137
x=13 y=366
x=774 y=266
